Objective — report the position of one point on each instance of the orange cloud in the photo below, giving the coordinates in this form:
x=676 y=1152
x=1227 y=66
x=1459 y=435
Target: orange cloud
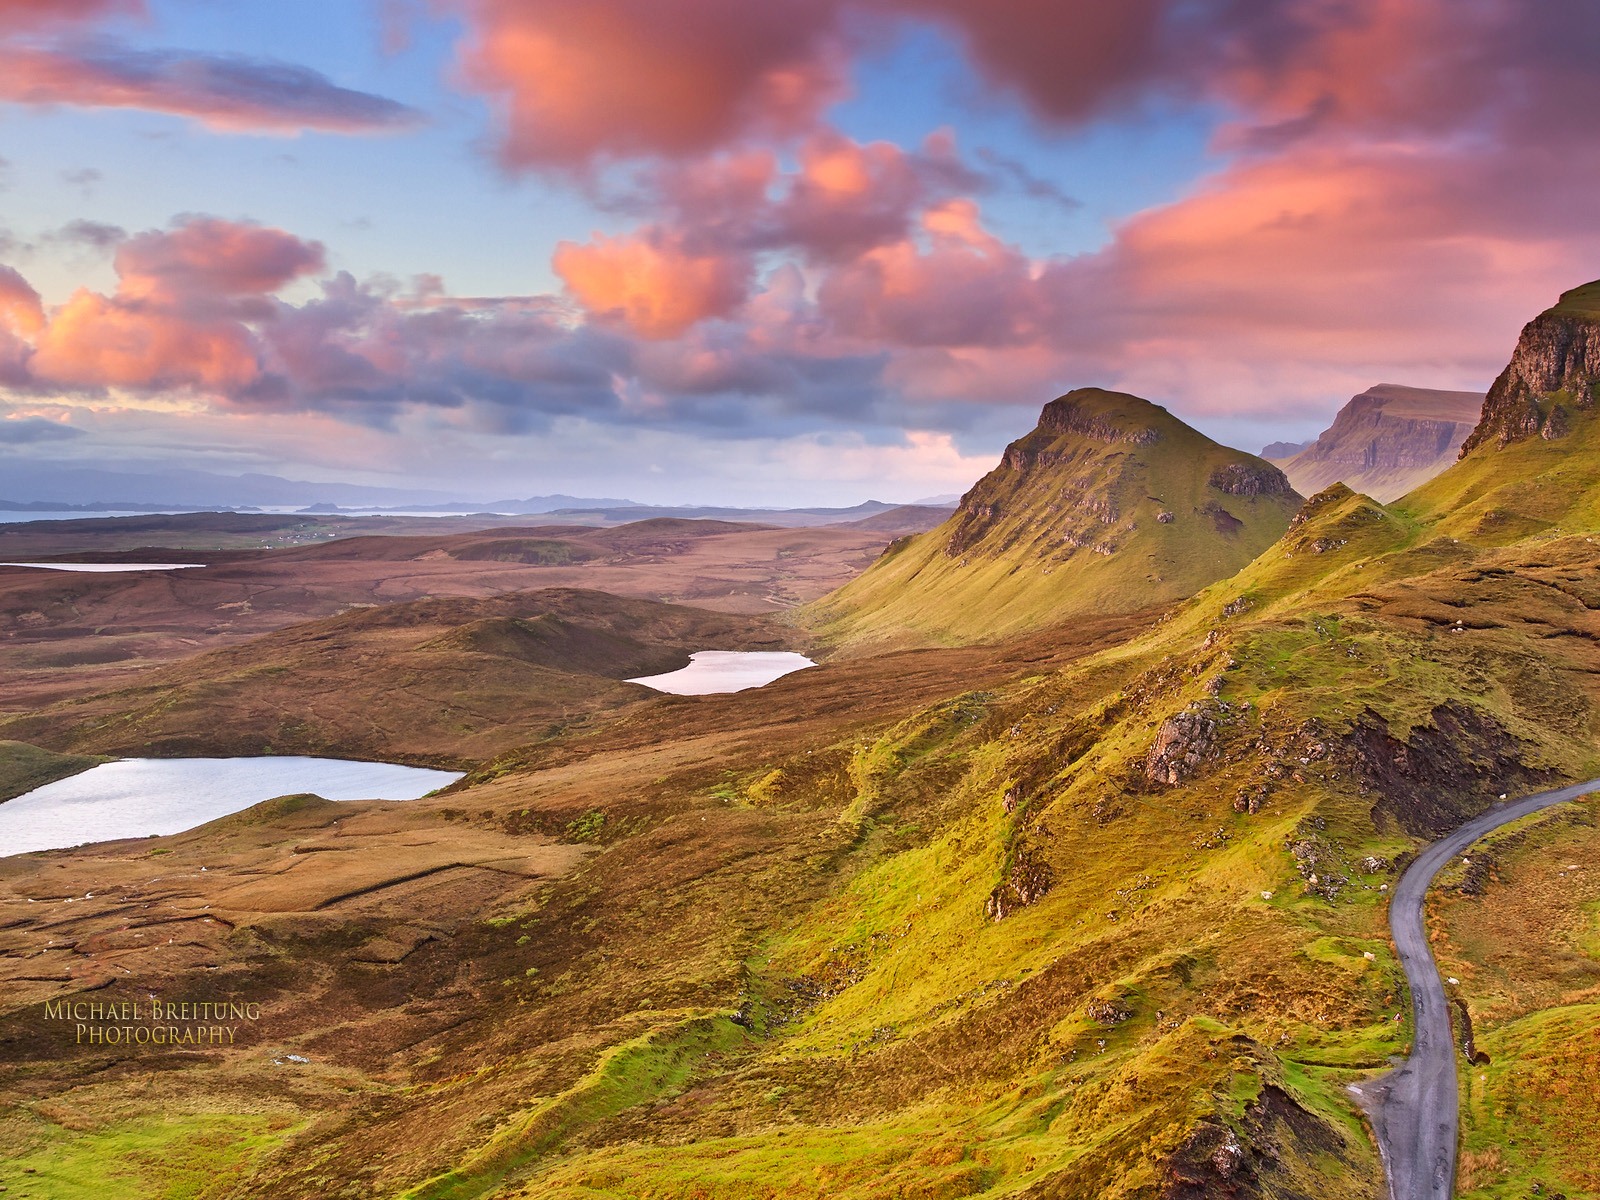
x=577 y=80
x=179 y=315
x=650 y=283
x=20 y=308
x=94 y=341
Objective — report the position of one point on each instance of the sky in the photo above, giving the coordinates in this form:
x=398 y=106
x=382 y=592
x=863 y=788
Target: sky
x=795 y=252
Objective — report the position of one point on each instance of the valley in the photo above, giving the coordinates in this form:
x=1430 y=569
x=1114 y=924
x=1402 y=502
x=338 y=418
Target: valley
x=64 y=637
x=1066 y=873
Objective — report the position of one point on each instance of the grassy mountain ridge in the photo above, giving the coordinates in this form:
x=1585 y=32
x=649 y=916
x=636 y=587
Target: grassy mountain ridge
x=1110 y=505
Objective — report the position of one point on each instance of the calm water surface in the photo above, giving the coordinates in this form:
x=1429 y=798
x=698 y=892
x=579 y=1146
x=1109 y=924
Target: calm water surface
x=105 y=568
x=712 y=671
x=140 y=796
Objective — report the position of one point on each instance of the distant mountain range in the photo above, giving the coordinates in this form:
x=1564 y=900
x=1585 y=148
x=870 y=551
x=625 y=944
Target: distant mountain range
x=61 y=486
x=54 y=487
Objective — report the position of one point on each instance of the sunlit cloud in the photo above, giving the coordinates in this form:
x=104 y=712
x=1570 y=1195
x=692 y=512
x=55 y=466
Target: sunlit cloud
x=225 y=92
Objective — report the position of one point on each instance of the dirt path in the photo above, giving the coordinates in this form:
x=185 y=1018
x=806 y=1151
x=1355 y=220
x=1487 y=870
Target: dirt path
x=1415 y=1108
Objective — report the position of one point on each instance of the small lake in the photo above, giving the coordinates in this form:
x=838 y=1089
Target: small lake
x=713 y=671
x=136 y=797
x=106 y=568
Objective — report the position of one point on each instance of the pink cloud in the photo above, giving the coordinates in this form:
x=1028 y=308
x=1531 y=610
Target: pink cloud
x=963 y=288
x=21 y=310
x=18 y=15
x=650 y=282
x=577 y=80
x=208 y=257
x=224 y=92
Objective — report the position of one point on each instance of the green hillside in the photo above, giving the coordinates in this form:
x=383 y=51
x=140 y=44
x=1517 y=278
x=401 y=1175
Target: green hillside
x=1110 y=505
x=1074 y=918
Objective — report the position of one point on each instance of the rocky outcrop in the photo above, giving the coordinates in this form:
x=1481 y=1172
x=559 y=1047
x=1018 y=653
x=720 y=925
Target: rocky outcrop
x=1185 y=742
x=1027 y=880
x=1074 y=414
x=1444 y=772
x=1554 y=371
x=1386 y=441
x=1250 y=479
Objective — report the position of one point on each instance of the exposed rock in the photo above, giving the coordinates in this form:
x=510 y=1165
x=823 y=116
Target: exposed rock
x=1318 y=862
x=1105 y=811
x=1326 y=498
x=1108 y=1012
x=1070 y=414
x=1027 y=881
x=1250 y=479
x=1556 y=364
x=1249 y=1162
x=1251 y=797
x=1185 y=742
x=1480 y=871
x=1441 y=774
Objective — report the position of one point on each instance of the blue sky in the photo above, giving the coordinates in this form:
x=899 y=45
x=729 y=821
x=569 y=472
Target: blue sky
x=1220 y=207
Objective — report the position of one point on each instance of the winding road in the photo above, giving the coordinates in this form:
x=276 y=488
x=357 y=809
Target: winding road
x=1414 y=1109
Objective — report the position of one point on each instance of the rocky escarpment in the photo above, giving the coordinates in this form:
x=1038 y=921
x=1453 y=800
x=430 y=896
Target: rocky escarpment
x=1386 y=441
x=1079 y=412
x=1554 y=372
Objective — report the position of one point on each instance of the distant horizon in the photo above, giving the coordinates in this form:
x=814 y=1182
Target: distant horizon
x=777 y=254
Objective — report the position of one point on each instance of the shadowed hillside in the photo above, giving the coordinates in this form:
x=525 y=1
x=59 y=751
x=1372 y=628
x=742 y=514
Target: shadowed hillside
x=1110 y=505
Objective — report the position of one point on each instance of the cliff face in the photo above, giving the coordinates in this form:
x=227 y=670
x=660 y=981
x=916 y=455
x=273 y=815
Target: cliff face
x=1386 y=441
x=1554 y=373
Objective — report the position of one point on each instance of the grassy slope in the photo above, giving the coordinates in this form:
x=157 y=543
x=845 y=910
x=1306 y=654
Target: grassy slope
x=1521 y=934
x=782 y=975
x=24 y=767
x=1179 y=977
x=1077 y=535
x=949 y=1030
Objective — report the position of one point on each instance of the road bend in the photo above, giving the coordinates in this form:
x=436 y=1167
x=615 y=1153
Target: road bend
x=1415 y=1109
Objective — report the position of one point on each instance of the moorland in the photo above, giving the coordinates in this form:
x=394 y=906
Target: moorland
x=1064 y=875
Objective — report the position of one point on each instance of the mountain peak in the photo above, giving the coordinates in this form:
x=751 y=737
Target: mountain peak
x=1553 y=374
x=1109 y=505
x=1103 y=416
